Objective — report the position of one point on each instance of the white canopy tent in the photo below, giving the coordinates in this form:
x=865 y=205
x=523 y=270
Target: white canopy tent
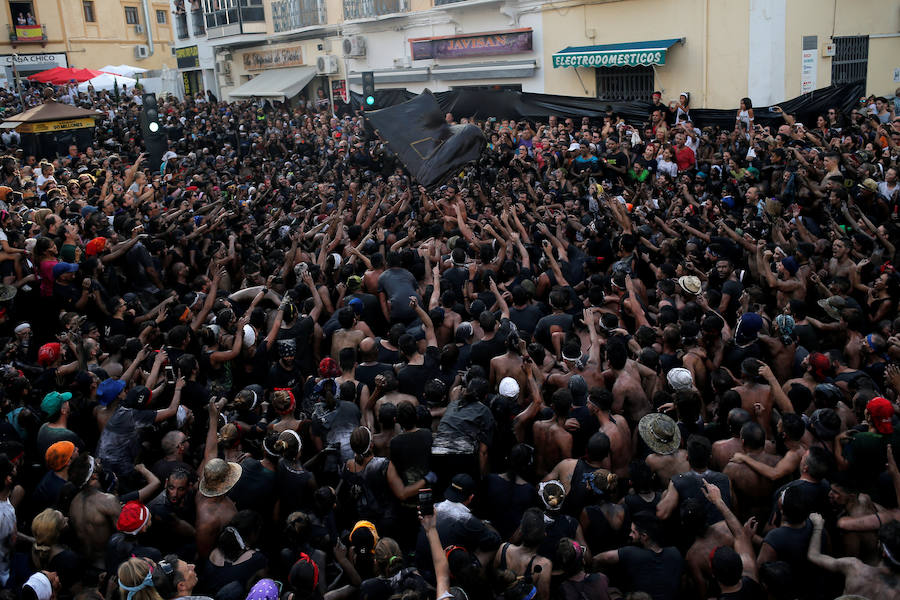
x=124 y=70
x=106 y=82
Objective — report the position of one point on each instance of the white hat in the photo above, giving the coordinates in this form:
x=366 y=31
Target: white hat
x=40 y=583
x=249 y=335
x=509 y=387
x=574 y=146
x=680 y=379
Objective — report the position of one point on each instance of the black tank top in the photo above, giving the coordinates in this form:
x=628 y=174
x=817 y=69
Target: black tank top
x=577 y=496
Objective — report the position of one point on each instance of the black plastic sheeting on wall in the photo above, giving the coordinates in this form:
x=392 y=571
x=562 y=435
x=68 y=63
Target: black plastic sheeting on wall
x=537 y=107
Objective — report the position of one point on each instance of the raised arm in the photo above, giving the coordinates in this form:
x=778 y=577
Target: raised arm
x=171 y=410
x=427 y=325
x=844 y=565
x=501 y=302
x=743 y=536
x=438 y=556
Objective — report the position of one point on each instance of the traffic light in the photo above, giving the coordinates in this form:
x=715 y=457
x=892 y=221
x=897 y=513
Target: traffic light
x=368 y=82
x=151 y=109
x=155 y=140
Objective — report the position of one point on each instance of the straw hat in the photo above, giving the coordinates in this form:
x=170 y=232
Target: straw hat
x=690 y=284
x=219 y=476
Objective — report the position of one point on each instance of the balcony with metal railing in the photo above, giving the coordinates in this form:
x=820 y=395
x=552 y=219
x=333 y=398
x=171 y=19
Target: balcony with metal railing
x=198 y=23
x=234 y=17
x=295 y=14
x=181 y=26
x=367 y=9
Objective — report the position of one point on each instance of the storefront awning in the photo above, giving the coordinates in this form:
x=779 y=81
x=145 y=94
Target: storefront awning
x=491 y=70
x=631 y=54
x=276 y=83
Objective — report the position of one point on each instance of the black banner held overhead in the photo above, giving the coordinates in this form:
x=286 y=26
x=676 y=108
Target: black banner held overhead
x=481 y=104
x=429 y=147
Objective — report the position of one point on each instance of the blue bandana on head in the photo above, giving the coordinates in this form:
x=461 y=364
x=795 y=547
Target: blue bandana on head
x=134 y=589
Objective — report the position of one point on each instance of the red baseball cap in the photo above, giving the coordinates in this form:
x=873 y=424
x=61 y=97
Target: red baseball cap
x=881 y=410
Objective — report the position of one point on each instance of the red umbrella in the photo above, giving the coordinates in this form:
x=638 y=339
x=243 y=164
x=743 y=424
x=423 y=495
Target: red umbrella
x=61 y=75
x=46 y=76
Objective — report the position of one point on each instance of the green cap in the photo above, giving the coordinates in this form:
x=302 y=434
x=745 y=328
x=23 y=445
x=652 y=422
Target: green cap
x=52 y=402
x=67 y=253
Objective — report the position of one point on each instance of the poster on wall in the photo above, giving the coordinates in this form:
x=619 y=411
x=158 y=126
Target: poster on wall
x=808 y=67
x=273 y=59
x=187 y=57
x=339 y=90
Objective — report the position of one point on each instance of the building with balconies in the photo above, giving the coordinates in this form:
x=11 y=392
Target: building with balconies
x=194 y=53
x=609 y=50
x=42 y=34
x=316 y=48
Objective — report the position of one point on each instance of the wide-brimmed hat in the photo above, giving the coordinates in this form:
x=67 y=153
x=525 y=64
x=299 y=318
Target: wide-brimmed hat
x=832 y=306
x=219 y=477
x=660 y=433
x=690 y=284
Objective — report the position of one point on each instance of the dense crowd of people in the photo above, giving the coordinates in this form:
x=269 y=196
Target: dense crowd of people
x=609 y=360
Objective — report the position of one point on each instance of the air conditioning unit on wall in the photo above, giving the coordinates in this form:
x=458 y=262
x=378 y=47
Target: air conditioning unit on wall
x=327 y=64
x=139 y=29
x=354 y=45
x=141 y=51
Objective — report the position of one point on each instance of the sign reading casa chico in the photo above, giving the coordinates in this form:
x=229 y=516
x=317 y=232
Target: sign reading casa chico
x=489 y=43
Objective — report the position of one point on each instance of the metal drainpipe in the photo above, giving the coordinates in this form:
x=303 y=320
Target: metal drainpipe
x=146 y=7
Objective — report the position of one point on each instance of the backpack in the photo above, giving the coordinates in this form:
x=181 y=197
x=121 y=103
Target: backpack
x=359 y=492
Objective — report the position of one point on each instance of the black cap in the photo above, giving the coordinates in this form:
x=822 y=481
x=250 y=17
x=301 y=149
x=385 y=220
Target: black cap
x=461 y=487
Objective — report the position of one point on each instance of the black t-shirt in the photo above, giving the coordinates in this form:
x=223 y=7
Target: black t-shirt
x=689 y=485
x=815 y=496
x=301 y=332
x=791 y=545
x=658 y=574
x=615 y=159
x=735 y=355
x=389 y=357
x=453 y=280
x=412 y=378
x=485 y=350
x=410 y=453
x=255 y=490
x=398 y=285
x=526 y=318
x=504 y=502
x=750 y=590
x=543 y=329
x=293 y=488
x=376 y=588
x=366 y=374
